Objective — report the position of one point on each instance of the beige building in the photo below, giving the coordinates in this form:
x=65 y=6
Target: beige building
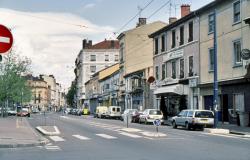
x=39 y=92
x=233 y=35
x=136 y=64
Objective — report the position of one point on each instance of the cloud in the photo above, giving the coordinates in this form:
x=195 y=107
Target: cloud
x=89 y=5
x=51 y=40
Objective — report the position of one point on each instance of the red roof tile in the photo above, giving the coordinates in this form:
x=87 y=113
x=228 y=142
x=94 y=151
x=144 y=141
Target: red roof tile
x=106 y=44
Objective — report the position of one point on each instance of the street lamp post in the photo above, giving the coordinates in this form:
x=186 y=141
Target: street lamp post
x=215 y=86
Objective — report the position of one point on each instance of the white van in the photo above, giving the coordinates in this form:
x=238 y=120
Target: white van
x=114 y=112
x=101 y=111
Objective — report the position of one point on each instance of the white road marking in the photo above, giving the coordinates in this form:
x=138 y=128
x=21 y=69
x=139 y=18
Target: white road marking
x=4 y=39
x=52 y=148
x=56 y=138
x=130 y=135
x=106 y=136
x=227 y=136
x=81 y=137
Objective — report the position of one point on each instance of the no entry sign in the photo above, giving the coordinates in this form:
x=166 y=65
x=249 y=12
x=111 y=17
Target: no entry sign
x=6 y=39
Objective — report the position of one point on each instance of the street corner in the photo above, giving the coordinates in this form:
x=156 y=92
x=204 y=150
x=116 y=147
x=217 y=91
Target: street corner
x=48 y=130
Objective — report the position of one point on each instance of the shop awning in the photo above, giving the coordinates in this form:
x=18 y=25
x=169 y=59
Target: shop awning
x=179 y=89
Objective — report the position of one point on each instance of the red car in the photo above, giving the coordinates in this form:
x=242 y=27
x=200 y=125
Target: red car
x=136 y=117
x=24 y=112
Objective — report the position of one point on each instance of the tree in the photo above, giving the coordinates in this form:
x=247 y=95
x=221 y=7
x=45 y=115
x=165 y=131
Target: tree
x=13 y=86
x=70 y=97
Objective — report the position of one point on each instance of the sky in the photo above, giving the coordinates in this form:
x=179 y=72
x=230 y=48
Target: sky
x=50 y=32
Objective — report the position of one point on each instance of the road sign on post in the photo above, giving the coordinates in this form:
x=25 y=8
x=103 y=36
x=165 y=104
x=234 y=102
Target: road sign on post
x=6 y=39
x=157 y=123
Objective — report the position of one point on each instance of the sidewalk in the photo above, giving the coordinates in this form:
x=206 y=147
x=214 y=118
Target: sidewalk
x=234 y=129
x=17 y=132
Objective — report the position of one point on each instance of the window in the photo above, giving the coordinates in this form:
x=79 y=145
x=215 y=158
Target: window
x=166 y=70
x=116 y=57
x=181 y=35
x=92 y=57
x=237 y=53
x=163 y=72
x=173 y=69
x=156 y=72
x=163 y=43
x=211 y=23
x=173 y=39
x=191 y=66
x=190 y=114
x=106 y=57
x=92 y=69
x=236 y=10
x=238 y=102
x=156 y=46
x=190 y=32
x=181 y=68
x=211 y=59
x=121 y=52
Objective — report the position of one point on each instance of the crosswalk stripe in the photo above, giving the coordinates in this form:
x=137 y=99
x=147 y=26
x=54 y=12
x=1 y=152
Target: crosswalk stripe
x=56 y=138
x=81 y=137
x=130 y=135
x=106 y=136
x=52 y=148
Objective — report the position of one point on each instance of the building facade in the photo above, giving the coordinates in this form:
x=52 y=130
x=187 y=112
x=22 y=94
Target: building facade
x=136 y=65
x=233 y=35
x=91 y=59
x=40 y=91
x=176 y=63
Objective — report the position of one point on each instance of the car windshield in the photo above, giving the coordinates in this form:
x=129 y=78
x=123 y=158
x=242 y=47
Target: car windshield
x=204 y=114
x=154 y=112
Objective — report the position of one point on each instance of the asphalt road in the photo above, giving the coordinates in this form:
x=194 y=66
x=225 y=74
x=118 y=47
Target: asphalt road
x=87 y=138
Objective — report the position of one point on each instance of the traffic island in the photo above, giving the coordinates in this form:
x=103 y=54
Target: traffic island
x=216 y=131
x=48 y=130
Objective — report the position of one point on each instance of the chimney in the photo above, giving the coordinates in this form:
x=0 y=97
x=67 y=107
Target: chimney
x=172 y=19
x=142 y=21
x=112 y=44
x=185 y=10
x=84 y=44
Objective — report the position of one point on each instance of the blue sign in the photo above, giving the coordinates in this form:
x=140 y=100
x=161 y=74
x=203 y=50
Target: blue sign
x=157 y=122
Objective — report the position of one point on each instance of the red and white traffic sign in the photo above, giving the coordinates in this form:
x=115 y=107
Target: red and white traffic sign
x=6 y=39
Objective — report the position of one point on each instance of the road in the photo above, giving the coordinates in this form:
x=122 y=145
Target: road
x=91 y=139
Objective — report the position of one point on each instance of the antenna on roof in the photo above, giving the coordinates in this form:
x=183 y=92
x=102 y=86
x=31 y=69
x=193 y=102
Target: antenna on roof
x=140 y=11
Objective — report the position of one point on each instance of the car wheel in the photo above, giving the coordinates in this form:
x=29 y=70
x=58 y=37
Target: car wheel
x=174 y=124
x=187 y=126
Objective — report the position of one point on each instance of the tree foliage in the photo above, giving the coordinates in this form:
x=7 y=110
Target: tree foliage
x=71 y=94
x=13 y=86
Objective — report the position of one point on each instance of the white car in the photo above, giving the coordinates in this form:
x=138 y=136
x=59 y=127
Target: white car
x=149 y=115
x=128 y=112
x=114 y=112
x=194 y=119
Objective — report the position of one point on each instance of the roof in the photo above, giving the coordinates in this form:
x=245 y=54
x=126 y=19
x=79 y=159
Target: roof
x=186 y=18
x=106 y=44
x=138 y=28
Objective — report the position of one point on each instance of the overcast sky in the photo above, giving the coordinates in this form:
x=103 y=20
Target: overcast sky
x=50 y=32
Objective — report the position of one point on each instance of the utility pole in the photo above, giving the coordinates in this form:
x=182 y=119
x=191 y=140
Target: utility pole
x=215 y=97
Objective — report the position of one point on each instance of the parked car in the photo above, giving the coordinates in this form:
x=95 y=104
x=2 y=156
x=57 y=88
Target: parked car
x=128 y=112
x=24 y=112
x=149 y=115
x=194 y=119
x=11 y=112
x=114 y=112
x=101 y=111
x=136 y=117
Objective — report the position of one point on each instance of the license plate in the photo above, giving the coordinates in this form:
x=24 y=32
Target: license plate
x=204 y=120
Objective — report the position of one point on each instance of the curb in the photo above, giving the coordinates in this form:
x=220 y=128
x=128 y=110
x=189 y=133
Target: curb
x=41 y=143
x=43 y=131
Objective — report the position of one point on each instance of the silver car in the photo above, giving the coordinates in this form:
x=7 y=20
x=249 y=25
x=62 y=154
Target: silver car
x=194 y=119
